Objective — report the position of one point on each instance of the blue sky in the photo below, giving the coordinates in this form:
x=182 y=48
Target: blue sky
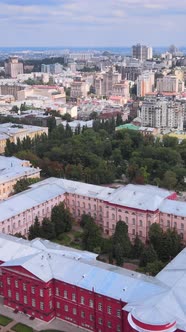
x=92 y=22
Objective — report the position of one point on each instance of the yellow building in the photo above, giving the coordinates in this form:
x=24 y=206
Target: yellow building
x=14 y=131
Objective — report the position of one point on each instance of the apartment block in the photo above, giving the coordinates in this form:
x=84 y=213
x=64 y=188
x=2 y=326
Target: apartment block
x=142 y=52
x=13 y=67
x=161 y=113
x=79 y=89
x=145 y=83
x=169 y=84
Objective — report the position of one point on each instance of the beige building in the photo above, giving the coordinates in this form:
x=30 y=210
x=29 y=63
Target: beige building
x=79 y=89
x=121 y=89
x=145 y=83
x=170 y=84
x=12 y=170
x=14 y=131
x=13 y=67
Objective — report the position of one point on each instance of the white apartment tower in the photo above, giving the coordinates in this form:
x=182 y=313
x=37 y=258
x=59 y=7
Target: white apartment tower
x=161 y=113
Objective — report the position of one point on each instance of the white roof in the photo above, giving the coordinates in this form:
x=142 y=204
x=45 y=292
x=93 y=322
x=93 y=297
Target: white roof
x=47 y=260
x=12 y=168
x=170 y=305
x=142 y=197
x=173 y=207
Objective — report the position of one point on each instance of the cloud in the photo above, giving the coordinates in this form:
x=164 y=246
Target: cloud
x=119 y=22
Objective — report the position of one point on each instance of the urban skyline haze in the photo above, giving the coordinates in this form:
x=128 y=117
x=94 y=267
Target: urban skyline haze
x=92 y=23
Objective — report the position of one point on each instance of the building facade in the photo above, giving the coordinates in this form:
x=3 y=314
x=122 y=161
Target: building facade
x=161 y=113
x=13 y=132
x=36 y=279
x=142 y=52
x=13 y=67
x=145 y=83
x=138 y=206
x=13 y=170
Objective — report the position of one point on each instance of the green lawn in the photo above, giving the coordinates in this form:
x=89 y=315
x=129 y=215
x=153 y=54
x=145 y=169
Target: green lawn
x=21 y=328
x=4 y=321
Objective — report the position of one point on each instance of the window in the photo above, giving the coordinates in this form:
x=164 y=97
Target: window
x=107 y=214
x=91 y=318
x=113 y=216
x=24 y=287
x=82 y=300
x=118 y=314
x=9 y=293
x=133 y=232
x=119 y=217
x=175 y=217
x=94 y=206
x=66 y=308
x=8 y=281
x=100 y=321
x=181 y=235
x=33 y=290
x=175 y=224
x=50 y=304
x=17 y=296
x=109 y=324
x=100 y=307
x=141 y=223
x=41 y=305
x=50 y=292
x=118 y=329
x=182 y=226
x=33 y=302
x=25 y=299
x=41 y=292
x=73 y=297
x=126 y=219
x=91 y=304
x=182 y=218
x=58 y=305
x=168 y=223
x=89 y=206
x=140 y=233
x=16 y=283
x=74 y=310
x=109 y=310
x=82 y=314
x=65 y=294
x=57 y=291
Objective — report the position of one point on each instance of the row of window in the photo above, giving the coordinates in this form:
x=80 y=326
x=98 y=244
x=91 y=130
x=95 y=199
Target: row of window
x=33 y=288
x=25 y=300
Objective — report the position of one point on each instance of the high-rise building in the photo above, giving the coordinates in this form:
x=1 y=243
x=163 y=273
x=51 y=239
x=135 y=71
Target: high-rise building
x=161 y=113
x=142 y=52
x=13 y=67
x=170 y=84
x=145 y=83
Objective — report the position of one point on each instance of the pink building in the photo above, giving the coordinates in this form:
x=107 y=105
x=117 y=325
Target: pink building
x=137 y=205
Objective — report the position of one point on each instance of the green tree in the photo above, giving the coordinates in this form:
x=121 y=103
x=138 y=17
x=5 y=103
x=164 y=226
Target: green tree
x=155 y=235
x=91 y=238
x=170 y=180
x=48 y=229
x=62 y=219
x=121 y=241
x=34 y=230
x=137 y=248
x=149 y=255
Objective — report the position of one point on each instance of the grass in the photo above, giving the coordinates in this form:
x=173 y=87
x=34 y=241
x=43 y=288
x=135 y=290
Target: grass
x=21 y=328
x=4 y=321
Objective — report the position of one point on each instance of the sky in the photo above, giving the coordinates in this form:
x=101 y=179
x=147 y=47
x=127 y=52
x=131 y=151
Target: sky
x=92 y=23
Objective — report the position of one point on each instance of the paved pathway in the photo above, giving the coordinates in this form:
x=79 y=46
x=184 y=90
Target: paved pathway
x=36 y=324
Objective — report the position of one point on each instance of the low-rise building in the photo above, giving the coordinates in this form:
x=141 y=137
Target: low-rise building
x=45 y=281
x=12 y=170
x=139 y=206
x=13 y=132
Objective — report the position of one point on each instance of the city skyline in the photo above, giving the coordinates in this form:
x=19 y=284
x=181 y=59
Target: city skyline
x=87 y=24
